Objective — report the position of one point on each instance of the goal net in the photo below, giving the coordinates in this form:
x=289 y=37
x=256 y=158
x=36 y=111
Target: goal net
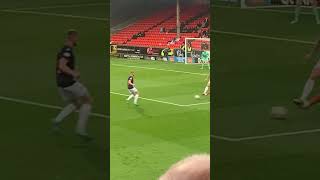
x=273 y=3
x=197 y=50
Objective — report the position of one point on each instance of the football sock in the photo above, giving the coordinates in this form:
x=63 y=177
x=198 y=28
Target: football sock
x=136 y=99
x=296 y=13
x=307 y=89
x=314 y=100
x=206 y=90
x=130 y=97
x=315 y=12
x=84 y=112
x=65 y=112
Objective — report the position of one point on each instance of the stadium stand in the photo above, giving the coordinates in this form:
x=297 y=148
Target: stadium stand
x=159 y=29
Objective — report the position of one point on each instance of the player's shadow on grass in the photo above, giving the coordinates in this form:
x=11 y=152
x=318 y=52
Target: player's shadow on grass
x=98 y=157
x=96 y=152
x=141 y=111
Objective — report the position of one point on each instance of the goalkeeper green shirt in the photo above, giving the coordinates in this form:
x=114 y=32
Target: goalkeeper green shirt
x=205 y=56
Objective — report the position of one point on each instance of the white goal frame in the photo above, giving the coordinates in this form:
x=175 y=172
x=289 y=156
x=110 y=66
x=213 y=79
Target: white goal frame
x=186 y=47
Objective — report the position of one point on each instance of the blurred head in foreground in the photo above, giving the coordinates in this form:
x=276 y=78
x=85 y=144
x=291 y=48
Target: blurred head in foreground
x=72 y=37
x=196 y=167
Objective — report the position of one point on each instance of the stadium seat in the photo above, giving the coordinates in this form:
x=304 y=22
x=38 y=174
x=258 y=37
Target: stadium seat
x=191 y=16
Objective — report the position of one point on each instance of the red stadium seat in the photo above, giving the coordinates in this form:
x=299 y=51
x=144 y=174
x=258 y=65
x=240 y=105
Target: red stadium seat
x=152 y=25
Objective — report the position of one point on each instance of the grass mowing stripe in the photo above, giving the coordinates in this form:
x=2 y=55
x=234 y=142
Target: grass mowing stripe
x=159 y=69
x=163 y=102
x=263 y=37
x=61 y=6
x=55 y=14
x=48 y=106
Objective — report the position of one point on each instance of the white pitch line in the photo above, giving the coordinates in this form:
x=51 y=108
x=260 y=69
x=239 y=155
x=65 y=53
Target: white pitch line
x=48 y=106
x=163 y=102
x=264 y=37
x=158 y=69
x=223 y=138
x=61 y=6
x=196 y=104
x=268 y=136
x=263 y=10
x=215 y=31
x=55 y=14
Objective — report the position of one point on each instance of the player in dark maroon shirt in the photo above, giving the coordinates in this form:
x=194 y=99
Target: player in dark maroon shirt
x=71 y=90
x=132 y=89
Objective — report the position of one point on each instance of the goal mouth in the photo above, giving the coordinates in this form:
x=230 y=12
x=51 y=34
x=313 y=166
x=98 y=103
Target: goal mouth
x=195 y=48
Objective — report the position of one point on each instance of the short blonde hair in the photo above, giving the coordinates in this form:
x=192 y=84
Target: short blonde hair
x=195 y=167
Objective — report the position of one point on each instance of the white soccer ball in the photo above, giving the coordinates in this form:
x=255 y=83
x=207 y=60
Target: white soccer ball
x=197 y=97
x=279 y=112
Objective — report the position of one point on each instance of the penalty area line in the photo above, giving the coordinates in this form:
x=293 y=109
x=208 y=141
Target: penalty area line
x=264 y=37
x=268 y=136
x=62 y=6
x=163 y=102
x=48 y=106
x=54 y=14
x=266 y=9
x=159 y=69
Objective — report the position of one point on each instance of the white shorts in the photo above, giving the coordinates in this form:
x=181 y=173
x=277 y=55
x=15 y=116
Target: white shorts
x=133 y=90
x=73 y=92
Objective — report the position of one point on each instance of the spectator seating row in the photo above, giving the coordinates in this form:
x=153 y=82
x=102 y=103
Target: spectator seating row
x=151 y=27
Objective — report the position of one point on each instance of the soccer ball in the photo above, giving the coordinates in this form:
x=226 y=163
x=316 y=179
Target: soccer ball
x=279 y=112
x=197 y=97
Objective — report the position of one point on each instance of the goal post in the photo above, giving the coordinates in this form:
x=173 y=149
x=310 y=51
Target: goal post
x=194 y=48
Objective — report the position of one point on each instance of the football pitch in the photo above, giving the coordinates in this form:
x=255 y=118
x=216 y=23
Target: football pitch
x=259 y=63
x=32 y=32
x=169 y=122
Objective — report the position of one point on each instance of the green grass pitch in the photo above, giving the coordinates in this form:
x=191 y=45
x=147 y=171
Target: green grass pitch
x=168 y=124
x=253 y=71
x=29 y=44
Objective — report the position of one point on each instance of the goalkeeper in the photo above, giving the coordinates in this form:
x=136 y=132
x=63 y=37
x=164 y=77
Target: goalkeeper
x=205 y=58
x=298 y=11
